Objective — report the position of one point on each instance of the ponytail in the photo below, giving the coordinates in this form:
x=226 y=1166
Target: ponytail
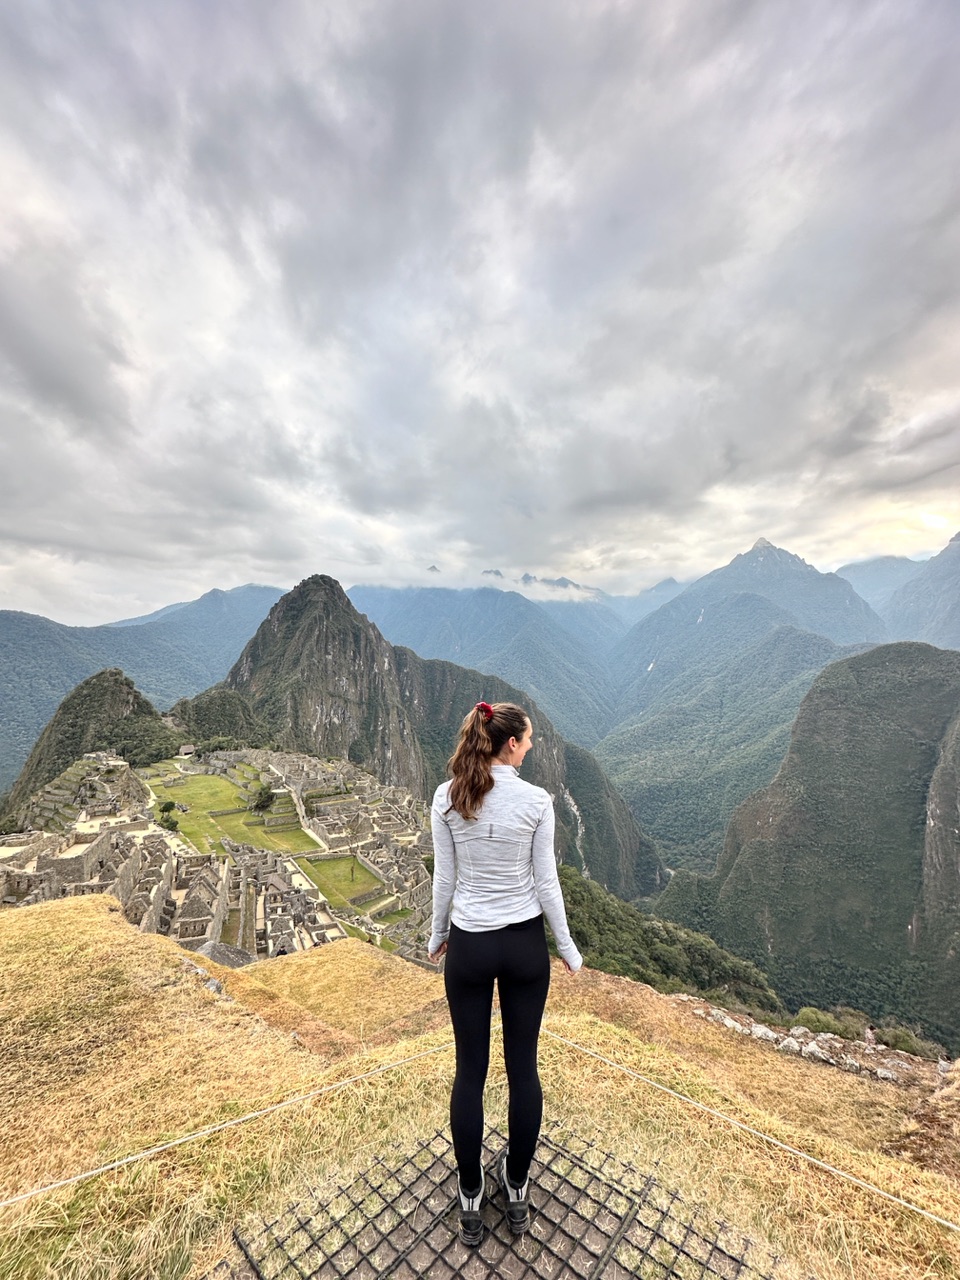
x=483 y=733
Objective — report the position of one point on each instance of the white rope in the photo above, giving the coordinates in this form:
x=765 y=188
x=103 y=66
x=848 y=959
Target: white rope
x=719 y=1115
x=217 y=1128
x=390 y=1066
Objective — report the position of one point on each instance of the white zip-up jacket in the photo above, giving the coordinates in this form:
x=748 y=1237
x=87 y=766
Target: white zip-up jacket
x=498 y=868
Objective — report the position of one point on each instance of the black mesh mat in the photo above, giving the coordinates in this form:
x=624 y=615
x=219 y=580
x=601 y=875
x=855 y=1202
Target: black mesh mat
x=591 y=1217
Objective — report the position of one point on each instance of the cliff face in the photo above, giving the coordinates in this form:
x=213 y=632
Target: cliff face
x=323 y=680
x=842 y=878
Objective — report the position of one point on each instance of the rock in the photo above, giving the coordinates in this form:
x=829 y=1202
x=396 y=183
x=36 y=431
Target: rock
x=214 y=985
x=847 y=1063
x=760 y=1032
x=884 y=1074
x=223 y=953
x=816 y=1053
x=799 y=1033
x=789 y=1045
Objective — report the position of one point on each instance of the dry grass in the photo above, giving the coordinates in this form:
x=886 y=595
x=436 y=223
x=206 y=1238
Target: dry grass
x=110 y=1044
x=359 y=989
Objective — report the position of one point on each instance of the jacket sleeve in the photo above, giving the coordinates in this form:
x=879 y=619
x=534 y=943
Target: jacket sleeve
x=444 y=871
x=548 y=886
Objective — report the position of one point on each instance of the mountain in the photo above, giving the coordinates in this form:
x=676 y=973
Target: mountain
x=323 y=680
x=876 y=580
x=319 y=677
x=708 y=686
x=595 y=625
x=103 y=713
x=820 y=602
x=841 y=877
x=927 y=607
x=716 y=731
x=633 y=608
x=170 y=655
x=505 y=634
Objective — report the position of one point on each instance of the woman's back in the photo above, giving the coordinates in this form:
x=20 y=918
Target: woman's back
x=495 y=877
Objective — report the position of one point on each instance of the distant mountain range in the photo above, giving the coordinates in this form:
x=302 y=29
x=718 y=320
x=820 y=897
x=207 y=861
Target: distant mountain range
x=685 y=693
x=318 y=677
x=689 y=710
x=172 y=653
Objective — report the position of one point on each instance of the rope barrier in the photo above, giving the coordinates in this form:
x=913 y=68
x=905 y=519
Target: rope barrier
x=756 y=1133
x=218 y=1128
x=416 y=1057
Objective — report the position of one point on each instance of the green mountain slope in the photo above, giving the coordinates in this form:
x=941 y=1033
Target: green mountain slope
x=103 y=713
x=594 y=624
x=169 y=656
x=927 y=607
x=615 y=937
x=711 y=737
x=505 y=634
x=841 y=877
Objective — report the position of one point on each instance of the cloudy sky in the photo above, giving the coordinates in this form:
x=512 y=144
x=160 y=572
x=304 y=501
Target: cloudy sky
x=599 y=289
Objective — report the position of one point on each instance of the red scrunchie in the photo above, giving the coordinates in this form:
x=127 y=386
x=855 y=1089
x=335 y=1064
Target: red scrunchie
x=487 y=710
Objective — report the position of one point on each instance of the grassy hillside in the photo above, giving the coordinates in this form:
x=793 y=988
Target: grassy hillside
x=111 y=1043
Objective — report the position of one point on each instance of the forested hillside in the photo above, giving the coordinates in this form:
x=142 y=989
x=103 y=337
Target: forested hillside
x=505 y=634
x=841 y=877
x=170 y=655
x=103 y=713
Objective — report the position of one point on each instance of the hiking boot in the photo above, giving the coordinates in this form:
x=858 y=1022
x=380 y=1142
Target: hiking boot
x=515 y=1198
x=471 y=1224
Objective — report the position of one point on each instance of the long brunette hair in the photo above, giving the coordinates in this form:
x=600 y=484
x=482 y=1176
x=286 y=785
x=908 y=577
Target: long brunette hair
x=483 y=734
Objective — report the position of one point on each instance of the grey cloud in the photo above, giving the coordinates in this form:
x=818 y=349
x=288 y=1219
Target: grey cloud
x=58 y=345
x=520 y=284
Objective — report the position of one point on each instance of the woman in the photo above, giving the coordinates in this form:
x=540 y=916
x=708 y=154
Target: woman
x=495 y=878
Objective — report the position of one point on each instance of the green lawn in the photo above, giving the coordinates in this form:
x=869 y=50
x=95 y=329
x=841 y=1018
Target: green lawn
x=394 y=917
x=201 y=792
x=385 y=944
x=333 y=878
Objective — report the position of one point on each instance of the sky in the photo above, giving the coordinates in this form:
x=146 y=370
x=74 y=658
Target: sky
x=407 y=290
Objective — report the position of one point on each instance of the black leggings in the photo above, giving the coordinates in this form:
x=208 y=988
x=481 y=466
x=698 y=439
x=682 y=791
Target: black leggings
x=516 y=956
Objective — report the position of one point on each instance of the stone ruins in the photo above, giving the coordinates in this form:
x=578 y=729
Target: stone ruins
x=92 y=831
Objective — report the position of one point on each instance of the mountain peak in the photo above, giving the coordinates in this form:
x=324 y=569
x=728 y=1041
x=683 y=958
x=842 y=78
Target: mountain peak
x=762 y=544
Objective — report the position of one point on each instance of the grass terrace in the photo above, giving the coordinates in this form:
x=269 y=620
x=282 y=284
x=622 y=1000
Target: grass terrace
x=204 y=794
x=339 y=879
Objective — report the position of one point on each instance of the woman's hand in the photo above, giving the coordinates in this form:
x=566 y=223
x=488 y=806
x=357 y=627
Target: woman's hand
x=435 y=956
x=572 y=972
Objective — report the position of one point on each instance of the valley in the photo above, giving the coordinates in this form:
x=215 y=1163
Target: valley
x=226 y=863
